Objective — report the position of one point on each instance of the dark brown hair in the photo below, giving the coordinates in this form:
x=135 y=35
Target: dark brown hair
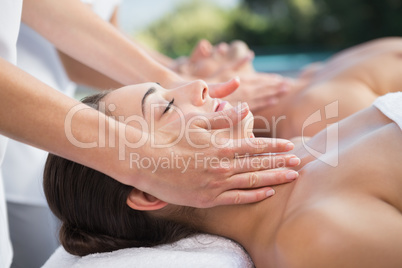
x=93 y=210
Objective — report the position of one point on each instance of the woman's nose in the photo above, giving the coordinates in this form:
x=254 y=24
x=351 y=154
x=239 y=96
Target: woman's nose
x=198 y=92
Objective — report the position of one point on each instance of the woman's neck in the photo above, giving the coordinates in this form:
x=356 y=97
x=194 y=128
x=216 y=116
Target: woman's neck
x=253 y=226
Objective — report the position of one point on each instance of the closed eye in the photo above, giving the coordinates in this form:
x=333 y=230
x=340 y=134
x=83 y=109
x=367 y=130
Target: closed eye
x=168 y=106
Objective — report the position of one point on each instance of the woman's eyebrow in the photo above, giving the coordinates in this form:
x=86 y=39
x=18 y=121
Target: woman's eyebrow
x=149 y=92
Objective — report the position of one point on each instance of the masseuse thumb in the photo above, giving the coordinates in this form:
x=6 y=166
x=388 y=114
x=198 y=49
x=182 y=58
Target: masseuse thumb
x=221 y=90
x=224 y=119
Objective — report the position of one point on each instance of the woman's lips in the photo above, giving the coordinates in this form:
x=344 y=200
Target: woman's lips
x=221 y=106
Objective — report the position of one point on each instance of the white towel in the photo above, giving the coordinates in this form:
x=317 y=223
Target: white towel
x=391 y=106
x=197 y=252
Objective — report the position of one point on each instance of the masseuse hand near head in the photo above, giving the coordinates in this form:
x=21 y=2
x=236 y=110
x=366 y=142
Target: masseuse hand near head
x=225 y=60
x=34 y=113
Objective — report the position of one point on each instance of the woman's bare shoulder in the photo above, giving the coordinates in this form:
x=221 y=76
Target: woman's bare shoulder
x=364 y=232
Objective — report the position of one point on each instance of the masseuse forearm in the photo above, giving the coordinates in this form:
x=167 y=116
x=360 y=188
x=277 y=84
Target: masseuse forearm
x=33 y=113
x=74 y=29
x=84 y=75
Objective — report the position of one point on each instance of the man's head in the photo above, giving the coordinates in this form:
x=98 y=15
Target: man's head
x=207 y=60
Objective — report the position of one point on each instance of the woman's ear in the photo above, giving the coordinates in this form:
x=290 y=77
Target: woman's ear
x=140 y=200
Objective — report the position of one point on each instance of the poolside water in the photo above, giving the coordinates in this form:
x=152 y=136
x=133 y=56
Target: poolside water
x=288 y=64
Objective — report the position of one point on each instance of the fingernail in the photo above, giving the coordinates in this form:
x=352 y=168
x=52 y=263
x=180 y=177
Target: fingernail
x=270 y=193
x=289 y=146
x=294 y=161
x=292 y=175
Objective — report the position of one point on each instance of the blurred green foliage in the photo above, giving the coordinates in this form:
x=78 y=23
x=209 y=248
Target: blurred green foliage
x=330 y=24
x=270 y=26
x=177 y=33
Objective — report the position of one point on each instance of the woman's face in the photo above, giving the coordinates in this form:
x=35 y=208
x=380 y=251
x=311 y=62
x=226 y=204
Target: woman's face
x=152 y=104
x=206 y=59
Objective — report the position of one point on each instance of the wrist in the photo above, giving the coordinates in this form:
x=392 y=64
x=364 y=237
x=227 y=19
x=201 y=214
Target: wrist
x=168 y=79
x=130 y=147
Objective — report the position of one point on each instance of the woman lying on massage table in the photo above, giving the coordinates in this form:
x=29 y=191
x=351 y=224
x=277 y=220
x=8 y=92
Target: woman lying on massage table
x=353 y=78
x=343 y=211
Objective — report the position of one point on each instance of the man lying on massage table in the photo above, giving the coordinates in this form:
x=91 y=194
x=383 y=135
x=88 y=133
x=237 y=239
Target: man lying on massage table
x=353 y=78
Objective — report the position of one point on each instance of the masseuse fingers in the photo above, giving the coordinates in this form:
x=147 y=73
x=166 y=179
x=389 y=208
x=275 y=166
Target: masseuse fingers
x=262 y=178
x=243 y=196
x=269 y=100
x=256 y=163
x=240 y=63
x=253 y=146
x=253 y=164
